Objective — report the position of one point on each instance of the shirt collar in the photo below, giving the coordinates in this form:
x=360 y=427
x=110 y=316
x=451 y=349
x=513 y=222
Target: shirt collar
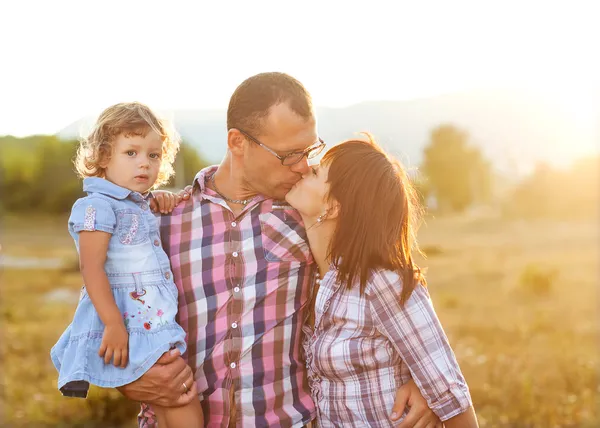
x=108 y=188
x=203 y=174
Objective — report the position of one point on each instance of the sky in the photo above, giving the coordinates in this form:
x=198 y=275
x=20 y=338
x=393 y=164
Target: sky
x=63 y=60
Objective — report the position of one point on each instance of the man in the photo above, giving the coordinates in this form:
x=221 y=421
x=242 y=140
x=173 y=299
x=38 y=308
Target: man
x=244 y=271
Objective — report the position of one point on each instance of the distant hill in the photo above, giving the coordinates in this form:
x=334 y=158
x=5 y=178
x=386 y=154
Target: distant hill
x=515 y=129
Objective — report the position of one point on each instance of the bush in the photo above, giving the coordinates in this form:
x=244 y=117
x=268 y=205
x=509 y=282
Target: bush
x=537 y=280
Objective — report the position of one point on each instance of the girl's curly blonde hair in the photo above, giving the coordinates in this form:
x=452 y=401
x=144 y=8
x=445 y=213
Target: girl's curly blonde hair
x=128 y=119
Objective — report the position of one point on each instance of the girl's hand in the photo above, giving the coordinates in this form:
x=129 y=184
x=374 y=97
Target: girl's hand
x=115 y=345
x=164 y=201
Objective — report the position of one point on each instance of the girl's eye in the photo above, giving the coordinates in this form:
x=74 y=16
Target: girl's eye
x=130 y=153
x=155 y=155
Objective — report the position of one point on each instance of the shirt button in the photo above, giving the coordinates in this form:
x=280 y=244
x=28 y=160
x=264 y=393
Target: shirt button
x=167 y=275
x=156 y=243
x=235 y=254
x=232 y=365
x=236 y=289
x=233 y=224
x=144 y=206
x=234 y=325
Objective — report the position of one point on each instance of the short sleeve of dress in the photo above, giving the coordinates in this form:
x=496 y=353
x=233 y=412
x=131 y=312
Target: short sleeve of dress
x=91 y=214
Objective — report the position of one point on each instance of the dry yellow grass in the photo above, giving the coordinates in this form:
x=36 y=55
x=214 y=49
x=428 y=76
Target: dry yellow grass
x=518 y=300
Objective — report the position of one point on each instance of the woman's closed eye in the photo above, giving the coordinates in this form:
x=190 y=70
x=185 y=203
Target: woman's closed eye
x=314 y=170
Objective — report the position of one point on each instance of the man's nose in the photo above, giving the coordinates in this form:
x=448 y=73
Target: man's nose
x=301 y=167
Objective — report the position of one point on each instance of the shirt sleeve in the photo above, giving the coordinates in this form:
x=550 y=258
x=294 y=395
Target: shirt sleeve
x=417 y=335
x=91 y=214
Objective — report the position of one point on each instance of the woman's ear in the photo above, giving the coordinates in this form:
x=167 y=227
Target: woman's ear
x=333 y=210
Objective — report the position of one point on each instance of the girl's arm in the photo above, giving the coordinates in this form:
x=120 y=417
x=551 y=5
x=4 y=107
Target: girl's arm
x=417 y=335
x=93 y=247
x=93 y=219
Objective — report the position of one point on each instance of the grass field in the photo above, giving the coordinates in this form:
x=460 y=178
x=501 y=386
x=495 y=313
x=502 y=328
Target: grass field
x=519 y=301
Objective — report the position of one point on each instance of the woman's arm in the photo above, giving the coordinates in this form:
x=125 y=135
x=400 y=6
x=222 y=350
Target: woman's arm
x=464 y=420
x=417 y=335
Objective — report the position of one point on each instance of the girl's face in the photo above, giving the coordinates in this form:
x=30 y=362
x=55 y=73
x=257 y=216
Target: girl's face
x=135 y=161
x=309 y=195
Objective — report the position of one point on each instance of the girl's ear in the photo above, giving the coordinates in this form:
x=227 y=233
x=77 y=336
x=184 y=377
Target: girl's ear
x=104 y=160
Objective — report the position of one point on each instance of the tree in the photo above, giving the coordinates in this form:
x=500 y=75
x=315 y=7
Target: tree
x=37 y=173
x=187 y=164
x=457 y=173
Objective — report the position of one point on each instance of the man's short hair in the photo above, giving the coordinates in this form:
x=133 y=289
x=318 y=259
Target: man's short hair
x=253 y=98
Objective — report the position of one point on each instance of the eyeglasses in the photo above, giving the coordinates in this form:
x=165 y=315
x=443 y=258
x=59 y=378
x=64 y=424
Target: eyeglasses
x=293 y=157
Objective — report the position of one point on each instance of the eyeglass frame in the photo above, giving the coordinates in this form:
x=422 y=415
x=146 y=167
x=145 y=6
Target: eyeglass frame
x=306 y=152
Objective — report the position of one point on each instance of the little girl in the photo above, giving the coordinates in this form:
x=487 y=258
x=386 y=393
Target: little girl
x=126 y=313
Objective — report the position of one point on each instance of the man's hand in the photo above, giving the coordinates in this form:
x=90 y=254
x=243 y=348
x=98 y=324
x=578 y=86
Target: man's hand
x=419 y=414
x=163 y=383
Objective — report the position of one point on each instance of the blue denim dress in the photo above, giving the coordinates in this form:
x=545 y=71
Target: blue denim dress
x=141 y=281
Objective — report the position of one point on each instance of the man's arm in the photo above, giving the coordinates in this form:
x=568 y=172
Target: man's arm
x=163 y=383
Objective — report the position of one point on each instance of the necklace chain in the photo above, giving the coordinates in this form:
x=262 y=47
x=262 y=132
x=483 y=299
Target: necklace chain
x=233 y=201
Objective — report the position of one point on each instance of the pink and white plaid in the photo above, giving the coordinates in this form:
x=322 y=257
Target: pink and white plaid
x=243 y=294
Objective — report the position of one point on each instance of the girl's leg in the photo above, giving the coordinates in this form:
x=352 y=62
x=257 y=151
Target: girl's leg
x=189 y=415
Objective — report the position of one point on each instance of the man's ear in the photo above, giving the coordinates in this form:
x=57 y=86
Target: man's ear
x=235 y=142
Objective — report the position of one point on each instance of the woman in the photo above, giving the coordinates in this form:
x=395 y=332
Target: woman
x=375 y=327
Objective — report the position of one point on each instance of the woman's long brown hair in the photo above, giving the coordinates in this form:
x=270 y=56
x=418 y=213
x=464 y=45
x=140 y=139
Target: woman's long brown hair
x=378 y=214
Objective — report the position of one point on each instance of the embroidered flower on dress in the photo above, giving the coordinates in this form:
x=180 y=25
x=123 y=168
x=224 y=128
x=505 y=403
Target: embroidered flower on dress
x=159 y=314
x=132 y=231
x=89 y=221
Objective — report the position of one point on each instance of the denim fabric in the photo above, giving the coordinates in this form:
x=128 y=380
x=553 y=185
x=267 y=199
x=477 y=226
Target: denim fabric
x=141 y=281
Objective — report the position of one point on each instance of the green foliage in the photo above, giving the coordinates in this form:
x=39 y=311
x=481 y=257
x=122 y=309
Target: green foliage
x=187 y=165
x=37 y=173
x=457 y=173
